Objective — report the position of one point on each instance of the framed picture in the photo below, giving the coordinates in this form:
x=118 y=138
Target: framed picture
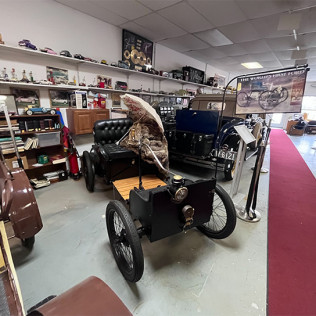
x=9 y=101
x=57 y=75
x=116 y=100
x=59 y=98
x=136 y=50
x=220 y=80
x=25 y=97
x=280 y=92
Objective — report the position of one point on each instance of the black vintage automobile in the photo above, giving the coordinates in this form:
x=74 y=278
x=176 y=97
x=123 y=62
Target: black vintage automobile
x=146 y=192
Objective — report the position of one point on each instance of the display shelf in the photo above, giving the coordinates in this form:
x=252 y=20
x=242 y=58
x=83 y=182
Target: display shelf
x=44 y=165
x=48 y=86
x=71 y=60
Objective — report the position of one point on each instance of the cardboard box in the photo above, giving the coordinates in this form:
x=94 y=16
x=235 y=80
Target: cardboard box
x=13 y=162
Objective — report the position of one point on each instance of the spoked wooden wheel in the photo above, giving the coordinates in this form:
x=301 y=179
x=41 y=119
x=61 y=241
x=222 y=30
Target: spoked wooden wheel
x=88 y=171
x=243 y=99
x=124 y=241
x=268 y=100
x=223 y=219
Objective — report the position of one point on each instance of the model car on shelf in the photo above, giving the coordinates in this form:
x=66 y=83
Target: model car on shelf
x=65 y=53
x=132 y=154
x=45 y=82
x=27 y=44
x=121 y=85
x=48 y=51
x=103 y=62
x=78 y=56
x=30 y=110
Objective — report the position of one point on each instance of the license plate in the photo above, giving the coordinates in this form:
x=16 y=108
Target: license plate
x=228 y=155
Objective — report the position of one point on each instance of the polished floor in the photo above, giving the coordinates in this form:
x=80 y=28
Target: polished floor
x=186 y=274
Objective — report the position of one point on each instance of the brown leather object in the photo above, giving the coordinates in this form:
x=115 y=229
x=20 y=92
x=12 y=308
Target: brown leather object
x=91 y=297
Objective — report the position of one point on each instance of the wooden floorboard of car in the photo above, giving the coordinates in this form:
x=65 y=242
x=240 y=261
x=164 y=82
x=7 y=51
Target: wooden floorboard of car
x=124 y=186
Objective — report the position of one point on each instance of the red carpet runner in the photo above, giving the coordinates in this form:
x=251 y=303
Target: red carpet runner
x=291 y=231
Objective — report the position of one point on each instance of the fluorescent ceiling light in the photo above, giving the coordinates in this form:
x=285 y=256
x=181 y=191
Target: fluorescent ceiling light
x=214 y=37
x=252 y=65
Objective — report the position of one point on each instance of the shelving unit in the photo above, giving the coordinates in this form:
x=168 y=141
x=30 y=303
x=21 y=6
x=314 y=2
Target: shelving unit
x=77 y=62
x=30 y=156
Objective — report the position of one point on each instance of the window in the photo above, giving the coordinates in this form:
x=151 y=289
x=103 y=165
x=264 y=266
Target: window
x=309 y=107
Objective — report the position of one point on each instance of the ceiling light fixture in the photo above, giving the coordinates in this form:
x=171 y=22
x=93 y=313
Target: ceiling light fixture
x=252 y=65
x=297 y=47
x=295 y=34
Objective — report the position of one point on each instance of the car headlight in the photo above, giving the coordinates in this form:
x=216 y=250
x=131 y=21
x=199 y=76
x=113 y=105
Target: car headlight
x=181 y=194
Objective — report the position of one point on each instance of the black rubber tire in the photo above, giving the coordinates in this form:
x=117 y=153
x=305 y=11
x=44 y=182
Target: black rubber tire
x=230 y=172
x=243 y=99
x=267 y=101
x=222 y=204
x=88 y=171
x=128 y=238
x=28 y=242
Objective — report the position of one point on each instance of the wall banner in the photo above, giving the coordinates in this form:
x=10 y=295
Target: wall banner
x=280 y=92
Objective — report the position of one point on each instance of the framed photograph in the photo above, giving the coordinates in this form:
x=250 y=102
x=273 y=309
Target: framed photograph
x=220 y=80
x=25 y=97
x=116 y=100
x=9 y=101
x=280 y=92
x=57 y=75
x=136 y=50
x=59 y=98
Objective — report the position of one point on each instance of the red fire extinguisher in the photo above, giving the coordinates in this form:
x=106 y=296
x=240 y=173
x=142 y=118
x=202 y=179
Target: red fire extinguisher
x=72 y=154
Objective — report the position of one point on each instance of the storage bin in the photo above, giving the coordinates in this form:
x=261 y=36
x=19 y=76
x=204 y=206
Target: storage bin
x=48 y=139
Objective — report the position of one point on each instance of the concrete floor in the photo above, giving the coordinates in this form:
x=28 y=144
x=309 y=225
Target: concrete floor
x=187 y=274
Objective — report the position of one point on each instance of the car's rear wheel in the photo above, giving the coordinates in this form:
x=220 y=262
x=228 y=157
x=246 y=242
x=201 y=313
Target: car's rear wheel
x=223 y=218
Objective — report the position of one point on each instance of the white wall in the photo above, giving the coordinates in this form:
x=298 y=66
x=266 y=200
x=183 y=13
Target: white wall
x=47 y=23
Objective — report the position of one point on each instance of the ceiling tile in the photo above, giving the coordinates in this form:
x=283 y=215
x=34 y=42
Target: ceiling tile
x=186 y=17
x=260 y=8
x=298 y=54
x=158 y=4
x=214 y=37
x=197 y=55
x=264 y=56
x=282 y=43
x=212 y=52
x=301 y=4
x=244 y=59
x=227 y=61
x=219 y=12
x=287 y=63
x=311 y=61
x=308 y=21
x=267 y=27
x=184 y=43
x=232 y=50
x=269 y=64
x=95 y=10
x=162 y=27
x=129 y=9
x=259 y=46
x=284 y=54
x=240 y=32
x=307 y=40
x=290 y=21
x=311 y=52
x=139 y=30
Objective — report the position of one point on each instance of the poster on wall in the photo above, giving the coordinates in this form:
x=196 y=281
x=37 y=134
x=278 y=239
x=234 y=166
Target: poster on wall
x=280 y=92
x=136 y=50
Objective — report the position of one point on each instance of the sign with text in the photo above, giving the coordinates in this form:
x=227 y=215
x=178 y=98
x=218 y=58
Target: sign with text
x=280 y=92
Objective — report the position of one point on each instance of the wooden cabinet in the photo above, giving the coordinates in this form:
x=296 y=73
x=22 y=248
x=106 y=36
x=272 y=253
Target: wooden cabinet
x=81 y=121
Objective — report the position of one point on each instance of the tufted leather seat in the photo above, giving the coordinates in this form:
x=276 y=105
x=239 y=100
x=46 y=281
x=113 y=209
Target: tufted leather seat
x=107 y=133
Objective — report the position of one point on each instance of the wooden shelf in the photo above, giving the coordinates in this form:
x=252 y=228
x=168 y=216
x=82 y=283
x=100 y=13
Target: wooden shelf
x=45 y=165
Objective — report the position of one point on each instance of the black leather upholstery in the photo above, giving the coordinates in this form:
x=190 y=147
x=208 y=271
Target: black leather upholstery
x=107 y=133
x=114 y=151
x=110 y=131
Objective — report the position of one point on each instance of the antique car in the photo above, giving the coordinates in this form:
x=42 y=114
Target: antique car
x=201 y=135
x=132 y=154
x=79 y=56
x=48 y=51
x=30 y=110
x=18 y=204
